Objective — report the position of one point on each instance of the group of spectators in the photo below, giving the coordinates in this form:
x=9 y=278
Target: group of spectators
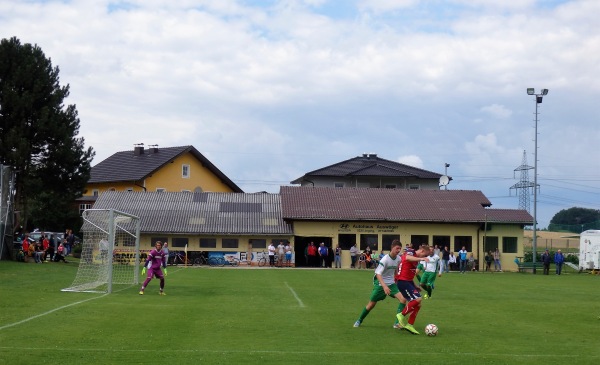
x=48 y=248
x=280 y=255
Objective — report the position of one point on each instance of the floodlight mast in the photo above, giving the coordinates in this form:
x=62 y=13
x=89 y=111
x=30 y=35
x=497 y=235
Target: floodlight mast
x=538 y=100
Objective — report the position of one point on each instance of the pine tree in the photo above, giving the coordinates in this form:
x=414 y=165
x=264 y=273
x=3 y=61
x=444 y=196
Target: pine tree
x=38 y=138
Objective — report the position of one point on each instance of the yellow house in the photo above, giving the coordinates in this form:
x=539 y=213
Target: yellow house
x=172 y=169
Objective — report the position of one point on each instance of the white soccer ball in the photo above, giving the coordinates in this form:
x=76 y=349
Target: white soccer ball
x=431 y=330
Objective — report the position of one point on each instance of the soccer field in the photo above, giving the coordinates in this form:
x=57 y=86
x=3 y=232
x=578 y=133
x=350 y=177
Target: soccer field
x=294 y=316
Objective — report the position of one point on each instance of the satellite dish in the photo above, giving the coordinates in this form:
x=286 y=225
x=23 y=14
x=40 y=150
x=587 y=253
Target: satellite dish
x=444 y=180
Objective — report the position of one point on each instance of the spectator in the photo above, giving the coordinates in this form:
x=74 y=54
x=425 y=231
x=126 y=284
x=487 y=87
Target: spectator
x=280 y=253
x=497 y=265
x=45 y=246
x=445 y=258
x=271 y=254
x=546 y=262
x=38 y=252
x=353 y=256
x=452 y=261
x=323 y=253
x=25 y=244
x=488 y=261
x=471 y=263
x=60 y=254
x=313 y=260
x=559 y=259
x=69 y=241
x=338 y=257
x=288 y=254
x=51 y=248
x=462 y=257
x=165 y=251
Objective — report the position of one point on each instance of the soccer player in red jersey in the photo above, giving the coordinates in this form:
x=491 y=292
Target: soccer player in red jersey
x=405 y=282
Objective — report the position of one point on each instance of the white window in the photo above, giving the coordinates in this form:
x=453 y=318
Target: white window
x=338 y=185
x=83 y=207
x=185 y=171
x=129 y=189
x=390 y=186
x=161 y=190
x=414 y=187
x=186 y=191
x=95 y=192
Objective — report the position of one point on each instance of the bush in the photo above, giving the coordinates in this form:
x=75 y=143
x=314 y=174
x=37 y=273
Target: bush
x=528 y=257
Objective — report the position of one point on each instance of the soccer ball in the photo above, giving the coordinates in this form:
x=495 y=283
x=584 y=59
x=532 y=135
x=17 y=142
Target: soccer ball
x=431 y=330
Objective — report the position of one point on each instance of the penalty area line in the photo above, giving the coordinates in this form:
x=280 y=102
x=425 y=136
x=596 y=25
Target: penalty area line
x=48 y=312
x=300 y=303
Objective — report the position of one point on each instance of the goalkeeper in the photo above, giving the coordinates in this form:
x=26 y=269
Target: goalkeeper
x=156 y=259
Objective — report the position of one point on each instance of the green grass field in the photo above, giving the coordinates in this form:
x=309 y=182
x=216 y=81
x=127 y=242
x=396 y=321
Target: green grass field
x=294 y=316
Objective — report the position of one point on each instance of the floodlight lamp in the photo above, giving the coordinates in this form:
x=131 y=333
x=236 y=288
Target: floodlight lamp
x=530 y=91
x=544 y=91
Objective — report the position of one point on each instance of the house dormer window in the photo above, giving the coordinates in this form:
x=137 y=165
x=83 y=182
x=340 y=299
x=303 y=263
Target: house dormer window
x=338 y=184
x=185 y=171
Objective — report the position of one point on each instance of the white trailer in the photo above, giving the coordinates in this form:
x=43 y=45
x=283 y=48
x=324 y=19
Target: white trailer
x=589 y=250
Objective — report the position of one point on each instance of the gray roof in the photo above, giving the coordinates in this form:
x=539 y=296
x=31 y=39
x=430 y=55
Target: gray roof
x=200 y=213
x=131 y=166
x=369 y=165
x=398 y=205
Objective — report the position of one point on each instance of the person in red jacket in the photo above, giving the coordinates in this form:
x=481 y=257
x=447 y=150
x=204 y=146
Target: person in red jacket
x=313 y=260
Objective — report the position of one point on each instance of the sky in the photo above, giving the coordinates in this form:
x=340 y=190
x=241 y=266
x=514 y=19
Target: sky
x=270 y=90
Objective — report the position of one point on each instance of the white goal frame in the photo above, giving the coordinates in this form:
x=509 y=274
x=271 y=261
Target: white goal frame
x=107 y=231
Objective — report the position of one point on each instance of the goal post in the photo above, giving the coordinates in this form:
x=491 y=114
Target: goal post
x=110 y=252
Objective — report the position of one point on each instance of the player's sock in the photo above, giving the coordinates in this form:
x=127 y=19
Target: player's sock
x=413 y=315
x=363 y=314
x=409 y=307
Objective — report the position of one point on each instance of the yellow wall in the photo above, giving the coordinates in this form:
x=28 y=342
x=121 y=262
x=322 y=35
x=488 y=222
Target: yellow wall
x=169 y=177
x=406 y=230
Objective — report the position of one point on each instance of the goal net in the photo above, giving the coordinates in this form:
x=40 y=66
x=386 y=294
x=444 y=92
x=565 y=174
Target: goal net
x=110 y=254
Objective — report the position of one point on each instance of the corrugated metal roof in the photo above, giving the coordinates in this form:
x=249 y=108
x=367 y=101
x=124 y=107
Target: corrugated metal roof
x=200 y=213
x=322 y=203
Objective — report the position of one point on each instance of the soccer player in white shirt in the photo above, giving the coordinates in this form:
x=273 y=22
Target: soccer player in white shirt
x=383 y=281
x=431 y=269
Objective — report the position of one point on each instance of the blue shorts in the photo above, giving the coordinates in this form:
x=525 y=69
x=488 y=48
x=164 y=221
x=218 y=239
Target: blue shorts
x=408 y=290
x=288 y=257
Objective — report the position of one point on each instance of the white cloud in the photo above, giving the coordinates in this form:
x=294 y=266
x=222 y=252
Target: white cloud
x=412 y=160
x=497 y=111
x=269 y=93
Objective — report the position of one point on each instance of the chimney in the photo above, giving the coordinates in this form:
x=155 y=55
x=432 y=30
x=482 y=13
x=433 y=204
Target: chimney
x=153 y=148
x=138 y=149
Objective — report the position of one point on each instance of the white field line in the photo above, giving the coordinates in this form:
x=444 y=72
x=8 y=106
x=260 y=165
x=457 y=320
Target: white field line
x=48 y=312
x=232 y=351
x=65 y=306
x=300 y=303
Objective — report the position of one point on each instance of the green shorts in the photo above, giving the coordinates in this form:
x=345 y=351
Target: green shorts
x=428 y=278
x=378 y=294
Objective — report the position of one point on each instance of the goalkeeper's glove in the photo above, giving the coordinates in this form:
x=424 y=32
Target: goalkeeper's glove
x=144 y=271
x=165 y=271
